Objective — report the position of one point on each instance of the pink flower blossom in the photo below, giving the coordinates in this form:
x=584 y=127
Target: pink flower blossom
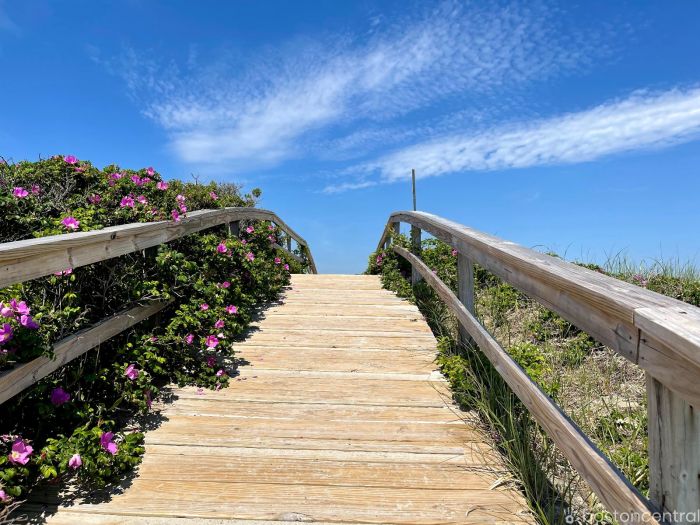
x=67 y=271
x=131 y=372
x=180 y=198
x=36 y=190
x=221 y=248
x=454 y=252
x=71 y=223
x=6 y=311
x=219 y=373
x=250 y=256
x=79 y=170
x=115 y=176
x=219 y=324
x=225 y=284
x=94 y=198
x=107 y=443
x=3 y=496
x=278 y=260
x=211 y=341
x=19 y=307
x=28 y=322
x=145 y=180
x=271 y=227
x=5 y=333
x=127 y=202
x=230 y=309
x=189 y=338
x=150 y=171
x=271 y=238
x=142 y=199
x=20 y=192
x=204 y=307
x=75 y=461
x=161 y=185
x=286 y=267
x=211 y=361
x=59 y=396
x=183 y=208
x=250 y=229
x=20 y=453
x=213 y=196
x=70 y=159
x=176 y=216
x=137 y=180
x=243 y=241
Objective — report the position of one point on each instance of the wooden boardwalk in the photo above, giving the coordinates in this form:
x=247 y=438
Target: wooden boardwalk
x=339 y=417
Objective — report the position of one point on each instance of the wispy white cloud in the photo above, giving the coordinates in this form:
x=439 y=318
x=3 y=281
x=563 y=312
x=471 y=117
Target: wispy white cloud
x=643 y=120
x=223 y=114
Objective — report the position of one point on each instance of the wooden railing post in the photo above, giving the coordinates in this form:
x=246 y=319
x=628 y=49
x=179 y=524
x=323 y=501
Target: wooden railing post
x=465 y=291
x=674 y=453
x=415 y=248
x=289 y=243
x=234 y=228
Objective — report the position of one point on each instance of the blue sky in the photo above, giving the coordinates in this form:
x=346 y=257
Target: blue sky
x=567 y=127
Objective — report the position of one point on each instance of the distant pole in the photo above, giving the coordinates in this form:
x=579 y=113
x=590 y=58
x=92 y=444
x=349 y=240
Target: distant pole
x=413 y=178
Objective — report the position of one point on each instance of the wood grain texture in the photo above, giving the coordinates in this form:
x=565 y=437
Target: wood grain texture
x=23 y=376
x=33 y=258
x=613 y=489
x=337 y=418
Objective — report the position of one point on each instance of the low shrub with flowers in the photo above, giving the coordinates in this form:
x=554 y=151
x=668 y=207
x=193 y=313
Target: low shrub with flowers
x=80 y=421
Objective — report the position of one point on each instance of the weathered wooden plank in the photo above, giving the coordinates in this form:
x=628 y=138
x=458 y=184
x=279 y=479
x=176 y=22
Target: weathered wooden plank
x=24 y=375
x=613 y=489
x=405 y=325
x=33 y=258
x=341 y=339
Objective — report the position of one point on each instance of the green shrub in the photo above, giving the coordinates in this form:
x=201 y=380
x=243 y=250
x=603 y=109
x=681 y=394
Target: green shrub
x=213 y=280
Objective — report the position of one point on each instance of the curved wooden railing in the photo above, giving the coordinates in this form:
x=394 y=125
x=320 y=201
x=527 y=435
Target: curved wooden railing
x=658 y=333
x=33 y=258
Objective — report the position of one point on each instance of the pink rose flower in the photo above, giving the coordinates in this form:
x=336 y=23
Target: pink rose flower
x=213 y=195
x=5 y=333
x=59 y=396
x=36 y=190
x=211 y=341
x=131 y=372
x=71 y=223
x=107 y=443
x=70 y=159
x=20 y=192
x=204 y=307
x=219 y=324
x=20 y=453
x=127 y=202
x=250 y=256
x=211 y=361
x=221 y=248
x=230 y=309
x=94 y=199
x=219 y=373
x=225 y=284
x=250 y=229
x=142 y=199
x=150 y=171
x=75 y=461
x=286 y=267
x=176 y=216
x=161 y=185
x=189 y=338
x=278 y=260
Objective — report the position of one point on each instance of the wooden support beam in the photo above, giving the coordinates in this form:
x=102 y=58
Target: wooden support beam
x=416 y=249
x=234 y=228
x=465 y=280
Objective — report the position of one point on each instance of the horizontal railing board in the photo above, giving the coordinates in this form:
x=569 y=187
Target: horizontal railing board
x=34 y=258
x=613 y=489
x=608 y=309
x=13 y=381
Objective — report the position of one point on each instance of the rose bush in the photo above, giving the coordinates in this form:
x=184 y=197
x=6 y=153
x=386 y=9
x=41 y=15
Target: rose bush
x=80 y=421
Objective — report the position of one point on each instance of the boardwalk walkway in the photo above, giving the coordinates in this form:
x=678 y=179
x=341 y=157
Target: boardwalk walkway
x=339 y=417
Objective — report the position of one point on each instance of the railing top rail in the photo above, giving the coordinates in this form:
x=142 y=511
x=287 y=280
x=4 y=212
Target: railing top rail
x=33 y=258
x=659 y=333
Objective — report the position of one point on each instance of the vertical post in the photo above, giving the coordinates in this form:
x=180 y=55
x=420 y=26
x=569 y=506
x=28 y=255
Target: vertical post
x=234 y=228
x=413 y=179
x=674 y=452
x=415 y=248
x=289 y=243
x=465 y=291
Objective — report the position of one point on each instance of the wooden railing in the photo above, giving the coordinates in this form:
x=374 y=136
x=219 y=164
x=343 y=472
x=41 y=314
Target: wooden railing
x=660 y=334
x=33 y=258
